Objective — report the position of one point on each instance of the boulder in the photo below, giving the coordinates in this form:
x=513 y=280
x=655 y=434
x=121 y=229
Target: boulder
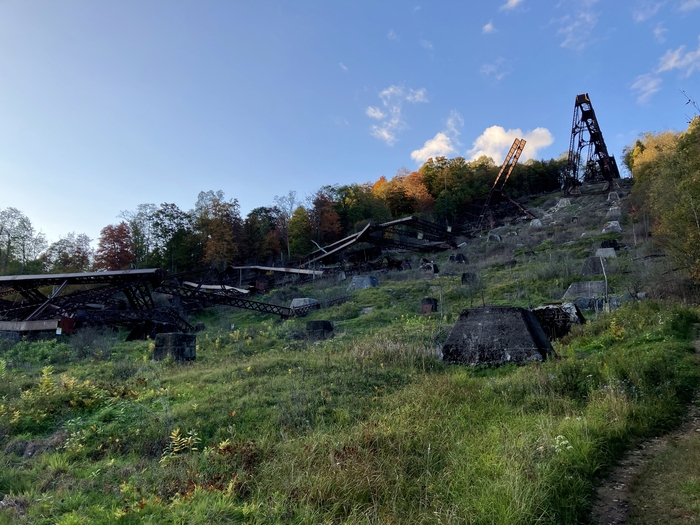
x=305 y=302
x=319 y=330
x=182 y=347
x=494 y=237
x=612 y=227
x=496 y=335
x=469 y=278
x=557 y=319
x=614 y=213
x=361 y=282
x=535 y=223
x=613 y=196
x=610 y=243
x=458 y=258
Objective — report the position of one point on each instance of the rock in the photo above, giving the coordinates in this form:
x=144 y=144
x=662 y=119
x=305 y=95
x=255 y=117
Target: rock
x=362 y=282
x=496 y=335
x=494 y=237
x=458 y=258
x=182 y=347
x=610 y=243
x=200 y=327
x=614 y=213
x=469 y=278
x=557 y=319
x=319 y=330
x=366 y=310
x=428 y=305
x=613 y=196
x=612 y=227
x=535 y=223
x=301 y=302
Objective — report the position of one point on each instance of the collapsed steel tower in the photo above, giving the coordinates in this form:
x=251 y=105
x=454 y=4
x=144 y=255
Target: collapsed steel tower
x=585 y=133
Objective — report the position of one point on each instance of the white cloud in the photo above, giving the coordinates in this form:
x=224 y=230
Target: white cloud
x=343 y=66
x=659 y=31
x=688 y=5
x=498 y=70
x=488 y=28
x=577 y=29
x=443 y=143
x=645 y=86
x=495 y=142
x=391 y=117
x=426 y=44
x=374 y=112
x=392 y=35
x=510 y=4
x=646 y=10
x=688 y=62
x=418 y=95
x=439 y=146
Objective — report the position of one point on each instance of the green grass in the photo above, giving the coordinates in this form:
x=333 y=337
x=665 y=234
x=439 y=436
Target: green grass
x=365 y=428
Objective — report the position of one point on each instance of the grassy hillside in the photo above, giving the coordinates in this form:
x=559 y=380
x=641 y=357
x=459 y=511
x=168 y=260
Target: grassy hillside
x=368 y=427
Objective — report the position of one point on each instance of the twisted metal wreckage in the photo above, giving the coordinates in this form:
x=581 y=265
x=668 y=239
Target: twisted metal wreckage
x=65 y=302
x=68 y=301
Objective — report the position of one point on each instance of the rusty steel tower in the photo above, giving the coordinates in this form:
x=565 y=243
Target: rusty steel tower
x=597 y=165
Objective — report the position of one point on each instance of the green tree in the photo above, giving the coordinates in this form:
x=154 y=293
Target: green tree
x=300 y=232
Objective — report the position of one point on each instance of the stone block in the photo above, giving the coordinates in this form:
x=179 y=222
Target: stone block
x=319 y=330
x=496 y=335
x=182 y=347
x=428 y=305
x=608 y=253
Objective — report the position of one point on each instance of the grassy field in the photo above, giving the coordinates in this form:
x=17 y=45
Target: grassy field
x=368 y=427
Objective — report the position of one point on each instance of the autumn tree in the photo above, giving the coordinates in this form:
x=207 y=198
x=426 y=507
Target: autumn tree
x=140 y=223
x=115 y=249
x=219 y=222
x=324 y=219
x=260 y=241
x=666 y=169
x=69 y=254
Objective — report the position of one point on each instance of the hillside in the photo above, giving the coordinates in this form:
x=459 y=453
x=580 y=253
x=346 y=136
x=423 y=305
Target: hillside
x=370 y=426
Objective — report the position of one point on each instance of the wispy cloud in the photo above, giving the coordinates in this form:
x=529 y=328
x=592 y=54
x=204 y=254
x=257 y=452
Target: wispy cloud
x=488 y=28
x=374 y=112
x=645 y=86
x=577 y=29
x=495 y=142
x=392 y=35
x=426 y=44
x=510 y=4
x=645 y=10
x=659 y=31
x=688 y=63
x=689 y=5
x=390 y=115
x=496 y=70
x=343 y=66
x=443 y=143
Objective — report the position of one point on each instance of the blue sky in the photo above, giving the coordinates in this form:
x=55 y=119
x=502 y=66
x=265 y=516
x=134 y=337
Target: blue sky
x=108 y=104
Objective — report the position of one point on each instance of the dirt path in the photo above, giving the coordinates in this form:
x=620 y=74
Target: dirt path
x=612 y=499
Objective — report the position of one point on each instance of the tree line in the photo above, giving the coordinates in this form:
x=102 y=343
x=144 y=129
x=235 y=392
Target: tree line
x=666 y=171
x=214 y=233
